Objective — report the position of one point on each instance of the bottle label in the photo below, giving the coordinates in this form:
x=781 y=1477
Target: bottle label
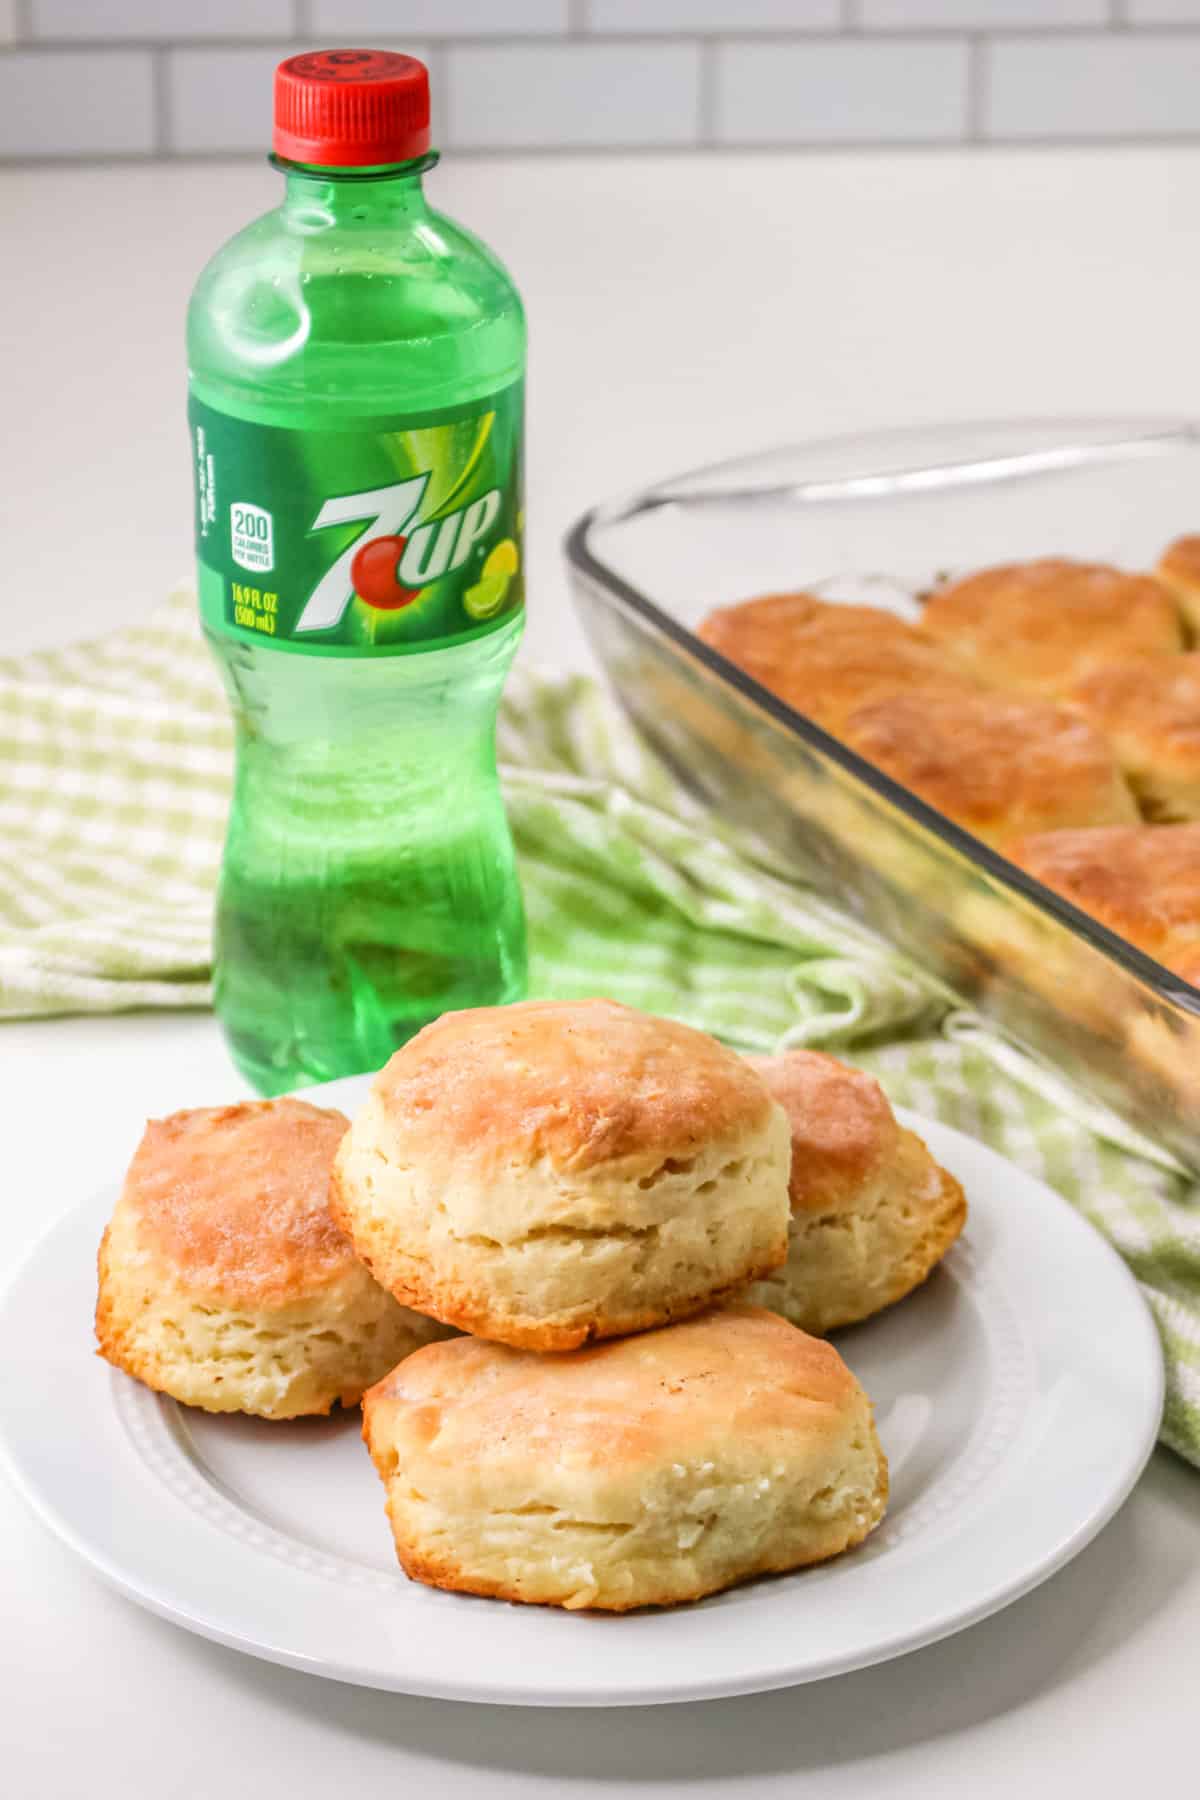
x=402 y=536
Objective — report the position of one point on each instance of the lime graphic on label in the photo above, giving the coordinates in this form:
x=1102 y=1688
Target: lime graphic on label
x=502 y=559
x=484 y=600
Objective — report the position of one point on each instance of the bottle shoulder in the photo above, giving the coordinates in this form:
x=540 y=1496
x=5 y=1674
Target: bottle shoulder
x=315 y=314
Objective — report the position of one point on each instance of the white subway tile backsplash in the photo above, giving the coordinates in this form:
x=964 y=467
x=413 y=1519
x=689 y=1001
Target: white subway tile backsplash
x=221 y=100
x=979 y=15
x=540 y=74
x=573 y=95
x=1163 y=12
x=349 y=19
x=76 y=103
x=865 y=91
x=161 y=20
x=1095 y=87
x=733 y=16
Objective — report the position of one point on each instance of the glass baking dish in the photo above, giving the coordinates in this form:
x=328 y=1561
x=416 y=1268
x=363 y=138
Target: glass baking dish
x=878 y=519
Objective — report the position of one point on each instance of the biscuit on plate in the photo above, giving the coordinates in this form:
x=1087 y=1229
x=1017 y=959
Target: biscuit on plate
x=825 y=659
x=1142 y=881
x=556 y=1171
x=872 y=1212
x=1148 y=707
x=1179 y=571
x=224 y=1281
x=1040 y=626
x=999 y=765
x=642 y=1472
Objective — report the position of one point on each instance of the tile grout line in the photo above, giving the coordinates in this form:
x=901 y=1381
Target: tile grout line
x=851 y=147
x=1150 y=32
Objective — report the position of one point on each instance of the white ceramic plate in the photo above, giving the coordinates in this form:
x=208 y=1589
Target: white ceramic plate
x=1017 y=1394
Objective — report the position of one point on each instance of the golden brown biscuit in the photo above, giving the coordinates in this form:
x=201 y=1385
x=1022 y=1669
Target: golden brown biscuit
x=1179 y=572
x=826 y=660
x=1148 y=708
x=644 y=1472
x=998 y=764
x=872 y=1212
x=1142 y=881
x=556 y=1171
x=760 y=634
x=1040 y=626
x=1185 y=962
x=225 y=1283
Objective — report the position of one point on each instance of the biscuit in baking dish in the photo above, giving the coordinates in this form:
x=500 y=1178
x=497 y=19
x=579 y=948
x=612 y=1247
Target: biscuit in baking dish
x=223 y=1280
x=759 y=635
x=1142 y=881
x=555 y=1171
x=1039 y=626
x=1179 y=572
x=872 y=1212
x=642 y=1472
x=1000 y=765
x=825 y=660
x=1148 y=707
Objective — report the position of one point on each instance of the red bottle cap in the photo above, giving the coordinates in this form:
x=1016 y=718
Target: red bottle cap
x=351 y=108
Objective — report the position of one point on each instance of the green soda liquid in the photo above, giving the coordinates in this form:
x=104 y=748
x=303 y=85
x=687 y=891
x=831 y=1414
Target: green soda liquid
x=355 y=365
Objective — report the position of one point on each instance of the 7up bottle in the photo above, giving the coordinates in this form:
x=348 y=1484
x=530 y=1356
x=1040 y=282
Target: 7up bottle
x=356 y=364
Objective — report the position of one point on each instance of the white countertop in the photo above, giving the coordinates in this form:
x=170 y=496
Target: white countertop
x=682 y=308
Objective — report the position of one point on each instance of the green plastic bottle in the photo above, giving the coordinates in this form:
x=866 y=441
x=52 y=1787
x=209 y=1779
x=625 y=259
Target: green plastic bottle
x=356 y=365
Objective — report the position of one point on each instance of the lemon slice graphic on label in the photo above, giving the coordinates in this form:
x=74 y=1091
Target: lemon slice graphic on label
x=502 y=559
x=484 y=600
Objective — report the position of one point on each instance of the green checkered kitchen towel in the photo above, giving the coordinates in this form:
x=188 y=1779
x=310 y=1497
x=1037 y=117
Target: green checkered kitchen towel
x=114 y=781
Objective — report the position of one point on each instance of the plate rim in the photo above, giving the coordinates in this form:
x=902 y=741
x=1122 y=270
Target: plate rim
x=678 y=1690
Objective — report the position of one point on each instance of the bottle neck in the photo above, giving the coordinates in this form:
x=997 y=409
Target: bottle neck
x=316 y=198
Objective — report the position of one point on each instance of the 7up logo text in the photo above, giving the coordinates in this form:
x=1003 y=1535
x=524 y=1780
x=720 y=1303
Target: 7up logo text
x=398 y=536
x=387 y=564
